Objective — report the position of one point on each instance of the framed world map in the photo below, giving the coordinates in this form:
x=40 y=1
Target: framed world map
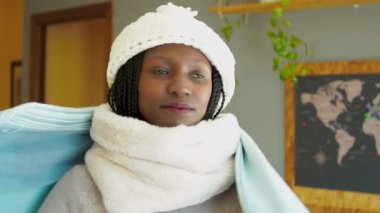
x=333 y=136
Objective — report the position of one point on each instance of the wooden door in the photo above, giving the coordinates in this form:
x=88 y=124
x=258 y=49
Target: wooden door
x=69 y=55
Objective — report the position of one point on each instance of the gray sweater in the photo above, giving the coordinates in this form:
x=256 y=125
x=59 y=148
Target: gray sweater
x=76 y=192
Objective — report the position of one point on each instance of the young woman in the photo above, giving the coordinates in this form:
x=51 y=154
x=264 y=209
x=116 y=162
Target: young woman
x=161 y=144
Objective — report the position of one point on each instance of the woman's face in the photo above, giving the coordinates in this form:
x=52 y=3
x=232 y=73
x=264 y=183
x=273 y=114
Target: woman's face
x=175 y=85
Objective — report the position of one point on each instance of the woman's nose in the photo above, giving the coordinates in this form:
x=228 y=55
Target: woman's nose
x=179 y=86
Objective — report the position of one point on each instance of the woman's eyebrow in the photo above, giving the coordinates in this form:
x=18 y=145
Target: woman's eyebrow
x=161 y=57
x=167 y=60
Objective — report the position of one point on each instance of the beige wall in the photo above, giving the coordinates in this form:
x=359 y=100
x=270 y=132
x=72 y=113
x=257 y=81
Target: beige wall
x=73 y=78
x=11 y=31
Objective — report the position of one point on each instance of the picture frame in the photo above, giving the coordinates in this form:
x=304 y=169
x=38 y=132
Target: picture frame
x=331 y=154
x=16 y=82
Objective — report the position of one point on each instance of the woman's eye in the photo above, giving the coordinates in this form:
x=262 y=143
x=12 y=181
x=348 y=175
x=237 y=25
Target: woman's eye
x=198 y=75
x=160 y=71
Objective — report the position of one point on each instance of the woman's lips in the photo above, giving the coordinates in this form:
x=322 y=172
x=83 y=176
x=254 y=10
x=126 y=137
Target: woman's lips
x=178 y=108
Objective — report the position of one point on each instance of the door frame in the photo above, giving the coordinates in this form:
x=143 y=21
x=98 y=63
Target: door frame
x=39 y=24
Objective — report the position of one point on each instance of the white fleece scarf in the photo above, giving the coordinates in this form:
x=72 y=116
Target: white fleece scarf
x=139 y=167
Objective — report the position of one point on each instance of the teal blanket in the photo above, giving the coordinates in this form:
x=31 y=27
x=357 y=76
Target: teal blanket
x=39 y=143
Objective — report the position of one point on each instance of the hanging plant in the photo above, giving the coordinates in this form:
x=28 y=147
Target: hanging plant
x=228 y=27
x=287 y=47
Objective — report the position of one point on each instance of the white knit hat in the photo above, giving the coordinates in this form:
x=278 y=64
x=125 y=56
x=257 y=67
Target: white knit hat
x=173 y=24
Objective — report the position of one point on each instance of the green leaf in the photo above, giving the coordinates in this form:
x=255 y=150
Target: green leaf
x=273 y=22
x=238 y=24
x=286 y=23
x=276 y=63
x=226 y=27
x=277 y=12
x=295 y=41
x=281 y=34
x=293 y=68
x=284 y=2
x=283 y=53
x=237 y=82
x=294 y=79
x=285 y=40
x=227 y=31
x=272 y=34
x=281 y=47
x=227 y=35
x=284 y=73
x=304 y=72
x=278 y=47
x=292 y=56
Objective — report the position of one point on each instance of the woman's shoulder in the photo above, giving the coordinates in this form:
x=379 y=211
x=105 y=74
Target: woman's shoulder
x=78 y=181
x=75 y=191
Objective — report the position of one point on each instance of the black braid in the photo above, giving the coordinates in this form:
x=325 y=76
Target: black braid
x=217 y=91
x=123 y=95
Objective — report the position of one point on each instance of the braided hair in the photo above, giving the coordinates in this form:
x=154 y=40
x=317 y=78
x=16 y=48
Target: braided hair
x=217 y=91
x=123 y=94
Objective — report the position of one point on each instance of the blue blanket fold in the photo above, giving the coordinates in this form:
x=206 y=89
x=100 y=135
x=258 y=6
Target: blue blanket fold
x=38 y=144
x=259 y=186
